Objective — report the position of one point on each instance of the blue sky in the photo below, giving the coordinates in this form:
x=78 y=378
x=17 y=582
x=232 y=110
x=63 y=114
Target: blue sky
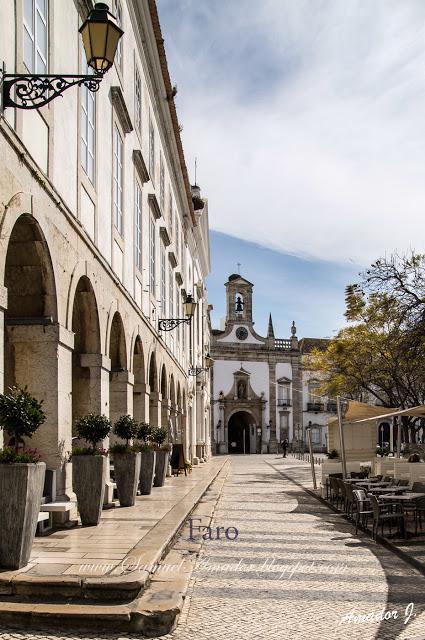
x=288 y=287
x=307 y=120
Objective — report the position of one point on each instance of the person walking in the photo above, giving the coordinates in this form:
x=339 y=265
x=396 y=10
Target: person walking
x=284 y=445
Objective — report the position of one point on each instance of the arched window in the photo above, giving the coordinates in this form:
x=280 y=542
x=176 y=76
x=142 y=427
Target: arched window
x=239 y=304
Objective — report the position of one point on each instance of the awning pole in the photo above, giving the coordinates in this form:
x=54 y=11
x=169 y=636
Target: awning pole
x=341 y=437
x=310 y=446
x=398 y=436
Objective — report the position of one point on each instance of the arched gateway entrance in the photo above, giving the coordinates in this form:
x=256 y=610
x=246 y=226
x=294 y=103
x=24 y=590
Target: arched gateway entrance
x=242 y=433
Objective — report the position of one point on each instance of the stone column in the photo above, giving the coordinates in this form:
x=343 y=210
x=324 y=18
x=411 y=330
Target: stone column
x=165 y=413
x=96 y=391
x=40 y=357
x=155 y=409
x=223 y=445
x=297 y=407
x=96 y=400
x=3 y=307
x=272 y=442
x=120 y=394
x=141 y=402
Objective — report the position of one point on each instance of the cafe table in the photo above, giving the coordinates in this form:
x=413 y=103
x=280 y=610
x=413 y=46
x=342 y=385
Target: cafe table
x=383 y=490
x=403 y=496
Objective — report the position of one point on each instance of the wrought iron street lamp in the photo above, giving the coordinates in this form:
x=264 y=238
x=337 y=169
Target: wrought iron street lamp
x=195 y=371
x=168 y=324
x=100 y=35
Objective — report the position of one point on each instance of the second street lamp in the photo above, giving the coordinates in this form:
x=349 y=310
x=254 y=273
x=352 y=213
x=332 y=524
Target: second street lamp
x=168 y=324
x=100 y=35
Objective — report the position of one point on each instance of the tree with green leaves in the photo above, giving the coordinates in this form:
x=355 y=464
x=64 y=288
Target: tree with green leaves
x=380 y=355
x=20 y=414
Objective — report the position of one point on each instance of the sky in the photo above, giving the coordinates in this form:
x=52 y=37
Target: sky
x=307 y=119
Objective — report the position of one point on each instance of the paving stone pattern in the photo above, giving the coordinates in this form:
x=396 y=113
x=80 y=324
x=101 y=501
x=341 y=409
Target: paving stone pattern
x=296 y=569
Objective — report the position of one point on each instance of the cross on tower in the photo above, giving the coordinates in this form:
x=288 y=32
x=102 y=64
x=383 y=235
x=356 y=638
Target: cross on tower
x=239 y=267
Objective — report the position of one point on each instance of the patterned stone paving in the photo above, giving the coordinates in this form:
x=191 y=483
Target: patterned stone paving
x=296 y=569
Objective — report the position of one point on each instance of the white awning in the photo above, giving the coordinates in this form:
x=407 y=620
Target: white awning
x=415 y=412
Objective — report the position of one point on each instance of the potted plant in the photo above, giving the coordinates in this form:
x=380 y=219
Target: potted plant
x=333 y=455
x=21 y=477
x=159 y=435
x=89 y=467
x=126 y=461
x=148 y=454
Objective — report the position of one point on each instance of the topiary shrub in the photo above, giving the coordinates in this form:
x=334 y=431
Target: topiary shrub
x=126 y=428
x=93 y=428
x=159 y=435
x=332 y=454
x=20 y=414
x=144 y=432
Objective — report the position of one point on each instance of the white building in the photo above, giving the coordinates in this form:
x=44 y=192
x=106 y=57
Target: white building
x=100 y=235
x=261 y=393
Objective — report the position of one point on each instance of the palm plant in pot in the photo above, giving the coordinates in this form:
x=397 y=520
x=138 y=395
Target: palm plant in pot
x=21 y=477
x=89 y=467
x=126 y=460
x=148 y=454
x=159 y=435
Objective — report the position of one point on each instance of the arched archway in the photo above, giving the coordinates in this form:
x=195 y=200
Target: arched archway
x=172 y=427
x=241 y=429
x=36 y=353
x=139 y=388
x=119 y=396
x=165 y=412
x=154 y=400
x=31 y=305
x=86 y=358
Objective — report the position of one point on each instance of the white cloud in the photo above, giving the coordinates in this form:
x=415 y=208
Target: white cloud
x=307 y=118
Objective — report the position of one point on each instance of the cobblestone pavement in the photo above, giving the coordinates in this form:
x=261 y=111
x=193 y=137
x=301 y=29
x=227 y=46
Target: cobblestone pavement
x=296 y=570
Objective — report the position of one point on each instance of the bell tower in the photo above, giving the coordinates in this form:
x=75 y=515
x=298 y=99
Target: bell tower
x=239 y=300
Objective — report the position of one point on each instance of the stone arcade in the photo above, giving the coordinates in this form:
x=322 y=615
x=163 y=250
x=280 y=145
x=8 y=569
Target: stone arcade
x=100 y=238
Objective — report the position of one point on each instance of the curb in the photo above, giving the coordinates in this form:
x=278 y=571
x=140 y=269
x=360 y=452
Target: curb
x=140 y=612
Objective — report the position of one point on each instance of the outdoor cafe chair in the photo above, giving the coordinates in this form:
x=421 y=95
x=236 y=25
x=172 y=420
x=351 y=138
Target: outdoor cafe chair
x=343 y=493
x=403 y=482
x=362 y=507
x=419 y=504
x=381 y=516
x=349 y=499
x=335 y=493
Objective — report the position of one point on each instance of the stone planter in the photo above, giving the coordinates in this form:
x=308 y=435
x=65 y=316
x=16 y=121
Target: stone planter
x=88 y=480
x=147 y=471
x=127 y=473
x=161 y=466
x=21 y=490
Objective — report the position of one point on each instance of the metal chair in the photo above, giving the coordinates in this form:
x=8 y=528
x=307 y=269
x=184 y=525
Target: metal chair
x=382 y=516
x=362 y=507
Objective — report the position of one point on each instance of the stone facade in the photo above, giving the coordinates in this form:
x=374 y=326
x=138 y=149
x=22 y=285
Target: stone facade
x=261 y=390
x=100 y=239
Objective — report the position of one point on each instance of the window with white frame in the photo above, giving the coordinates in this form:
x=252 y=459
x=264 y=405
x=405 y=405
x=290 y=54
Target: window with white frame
x=138 y=225
x=171 y=293
x=88 y=124
x=35 y=35
x=163 y=281
x=171 y=215
x=151 y=150
x=177 y=238
x=118 y=16
x=284 y=423
x=152 y=256
x=138 y=100
x=118 y=180
x=283 y=393
x=161 y=183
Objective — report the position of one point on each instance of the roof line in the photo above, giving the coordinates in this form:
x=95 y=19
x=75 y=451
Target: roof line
x=170 y=99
